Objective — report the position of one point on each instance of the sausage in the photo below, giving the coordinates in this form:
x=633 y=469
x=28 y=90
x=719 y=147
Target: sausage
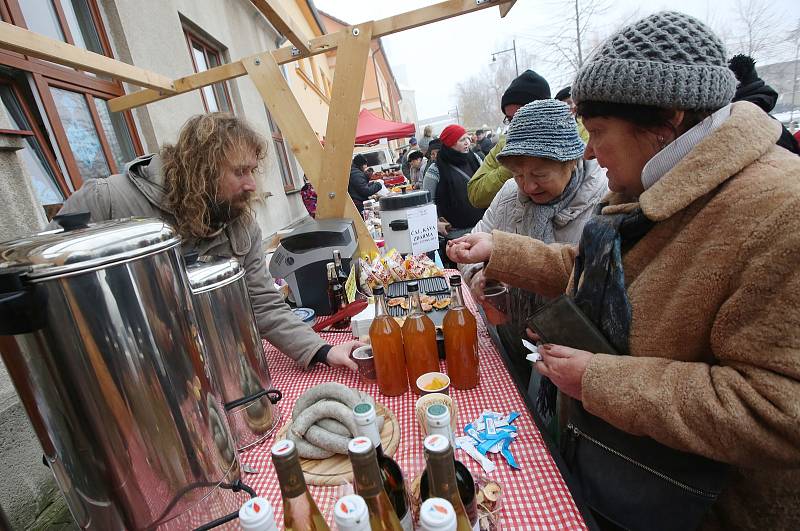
x=321 y=410
x=307 y=450
x=334 y=426
x=329 y=391
x=326 y=440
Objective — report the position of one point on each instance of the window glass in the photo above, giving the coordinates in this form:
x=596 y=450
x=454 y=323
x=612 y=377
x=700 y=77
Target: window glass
x=117 y=134
x=81 y=25
x=81 y=133
x=42 y=176
x=41 y=17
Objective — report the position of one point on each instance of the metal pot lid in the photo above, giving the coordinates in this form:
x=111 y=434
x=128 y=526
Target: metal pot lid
x=86 y=246
x=407 y=200
x=213 y=274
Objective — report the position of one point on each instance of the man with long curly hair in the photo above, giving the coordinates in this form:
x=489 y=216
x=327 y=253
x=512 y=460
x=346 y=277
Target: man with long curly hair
x=203 y=185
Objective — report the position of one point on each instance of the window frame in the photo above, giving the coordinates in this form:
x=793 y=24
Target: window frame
x=283 y=153
x=45 y=74
x=193 y=37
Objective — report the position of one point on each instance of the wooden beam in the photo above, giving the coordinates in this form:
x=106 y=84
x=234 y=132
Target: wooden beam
x=324 y=43
x=283 y=22
x=35 y=45
x=505 y=8
x=298 y=133
x=182 y=85
x=348 y=87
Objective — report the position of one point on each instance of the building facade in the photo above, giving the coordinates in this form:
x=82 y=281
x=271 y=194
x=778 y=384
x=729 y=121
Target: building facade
x=63 y=135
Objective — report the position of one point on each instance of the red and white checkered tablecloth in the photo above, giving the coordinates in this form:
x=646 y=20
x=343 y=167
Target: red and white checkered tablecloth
x=535 y=497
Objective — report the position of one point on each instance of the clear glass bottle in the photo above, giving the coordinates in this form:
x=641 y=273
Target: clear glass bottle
x=350 y=513
x=419 y=340
x=392 y=476
x=445 y=477
x=300 y=513
x=460 y=340
x=369 y=485
x=387 y=349
x=437 y=514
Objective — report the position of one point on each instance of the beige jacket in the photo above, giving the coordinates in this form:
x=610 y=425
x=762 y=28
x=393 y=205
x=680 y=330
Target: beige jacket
x=138 y=192
x=715 y=337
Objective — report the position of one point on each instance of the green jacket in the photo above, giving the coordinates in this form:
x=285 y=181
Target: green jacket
x=489 y=178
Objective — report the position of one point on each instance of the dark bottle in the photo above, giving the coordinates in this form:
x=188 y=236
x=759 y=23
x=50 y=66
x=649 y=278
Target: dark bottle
x=369 y=485
x=299 y=510
x=337 y=262
x=392 y=476
x=336 y=296
x=445 y=477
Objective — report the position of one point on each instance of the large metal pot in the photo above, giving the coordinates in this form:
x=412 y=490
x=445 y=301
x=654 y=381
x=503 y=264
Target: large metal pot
x=99 y=335
x=234 y=351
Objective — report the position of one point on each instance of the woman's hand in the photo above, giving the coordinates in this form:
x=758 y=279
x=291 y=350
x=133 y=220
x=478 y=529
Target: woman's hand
x=471 y=248
x=442 y=227
x=477 y=285
x=565 y=367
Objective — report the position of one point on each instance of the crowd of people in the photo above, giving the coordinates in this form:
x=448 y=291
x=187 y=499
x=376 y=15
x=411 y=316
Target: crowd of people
x=654 y=198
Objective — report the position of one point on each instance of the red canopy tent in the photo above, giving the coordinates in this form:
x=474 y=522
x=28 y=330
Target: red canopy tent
x=371 y=128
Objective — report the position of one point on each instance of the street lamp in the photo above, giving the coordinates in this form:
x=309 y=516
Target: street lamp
x=512 y=49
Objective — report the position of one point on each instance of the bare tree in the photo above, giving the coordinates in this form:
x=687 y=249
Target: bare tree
x=479 y=96
x=758 y=24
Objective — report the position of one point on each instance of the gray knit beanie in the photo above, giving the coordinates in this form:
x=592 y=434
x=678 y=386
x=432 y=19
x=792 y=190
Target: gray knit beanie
x=668 y=60
x=544 y=128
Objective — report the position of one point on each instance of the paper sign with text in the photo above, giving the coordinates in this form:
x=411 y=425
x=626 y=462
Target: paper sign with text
x=422 y=229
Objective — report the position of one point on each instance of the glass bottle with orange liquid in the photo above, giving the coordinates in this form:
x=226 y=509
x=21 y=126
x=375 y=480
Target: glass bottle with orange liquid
x=387 y=349
x=460 y=340
x=419 y=340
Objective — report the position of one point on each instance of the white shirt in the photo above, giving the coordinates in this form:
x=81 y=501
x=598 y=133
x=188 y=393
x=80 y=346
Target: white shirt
x=671 y=155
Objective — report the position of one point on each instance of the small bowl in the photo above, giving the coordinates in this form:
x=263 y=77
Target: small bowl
x=366 y=363
x=421 y=407
x=426 y=381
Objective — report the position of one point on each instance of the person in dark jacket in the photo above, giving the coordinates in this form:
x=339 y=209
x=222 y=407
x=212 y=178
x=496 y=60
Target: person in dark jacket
x=753 y=89
x=360 y=187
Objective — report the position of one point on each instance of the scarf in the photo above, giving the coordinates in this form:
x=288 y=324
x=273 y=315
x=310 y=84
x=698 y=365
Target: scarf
x=452 y=201
x=599 y=282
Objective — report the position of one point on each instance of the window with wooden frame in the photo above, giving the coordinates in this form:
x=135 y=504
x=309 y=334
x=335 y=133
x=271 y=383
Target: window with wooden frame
x=287 y=176
x=78 y=138
x=216 y=97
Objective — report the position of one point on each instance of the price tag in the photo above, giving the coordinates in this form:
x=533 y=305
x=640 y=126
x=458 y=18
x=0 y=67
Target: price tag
x=422 y=229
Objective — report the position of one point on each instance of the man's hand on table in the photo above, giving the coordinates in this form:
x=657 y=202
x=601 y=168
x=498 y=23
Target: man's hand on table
x=339 y=355
x=471 y=248
x=565 y=367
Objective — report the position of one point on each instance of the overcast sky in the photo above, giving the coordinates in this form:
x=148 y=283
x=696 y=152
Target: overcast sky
x=432 y=59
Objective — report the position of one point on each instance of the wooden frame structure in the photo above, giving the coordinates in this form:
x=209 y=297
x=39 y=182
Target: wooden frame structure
x=326 y=167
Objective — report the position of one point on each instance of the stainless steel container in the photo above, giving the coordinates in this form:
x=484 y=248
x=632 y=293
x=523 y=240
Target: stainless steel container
x=99 y=335
x=234 y=351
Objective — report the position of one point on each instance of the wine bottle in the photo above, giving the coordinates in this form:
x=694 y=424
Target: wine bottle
x=438 y=418
x=369 y=485
x=437 y=514
x=444 y=477
x=351 y=514
x=300 y=513
x=256 y=514
x=337 y=260
x=391 y=475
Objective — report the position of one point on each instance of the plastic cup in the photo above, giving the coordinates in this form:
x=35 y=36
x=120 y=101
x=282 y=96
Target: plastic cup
x=496 y=303
x=366 y=364
x=434 y=382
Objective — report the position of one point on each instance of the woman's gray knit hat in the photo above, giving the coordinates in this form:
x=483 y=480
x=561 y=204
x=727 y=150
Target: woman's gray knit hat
x=544 y=128
x=668 y=60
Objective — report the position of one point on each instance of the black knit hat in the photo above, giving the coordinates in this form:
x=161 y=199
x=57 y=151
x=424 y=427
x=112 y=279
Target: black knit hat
x=528 y=87
x=564 y=94
x=360 y=160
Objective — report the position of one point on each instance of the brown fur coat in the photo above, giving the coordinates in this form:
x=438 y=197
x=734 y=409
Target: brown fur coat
x=715 y=336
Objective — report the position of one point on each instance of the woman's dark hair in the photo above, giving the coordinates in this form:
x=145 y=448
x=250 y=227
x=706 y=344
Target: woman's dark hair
x=645 y=117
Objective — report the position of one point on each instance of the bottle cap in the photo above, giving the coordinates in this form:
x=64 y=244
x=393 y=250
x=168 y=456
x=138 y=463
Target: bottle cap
x=282 y=448
x=438 y=415
x=437 y=514
x=436 y=443
x=412 y=286
x=360 y=445
x=331 y=266
x=350 y=512
x=364 y=413
x=257 y=515
x=455 y=280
